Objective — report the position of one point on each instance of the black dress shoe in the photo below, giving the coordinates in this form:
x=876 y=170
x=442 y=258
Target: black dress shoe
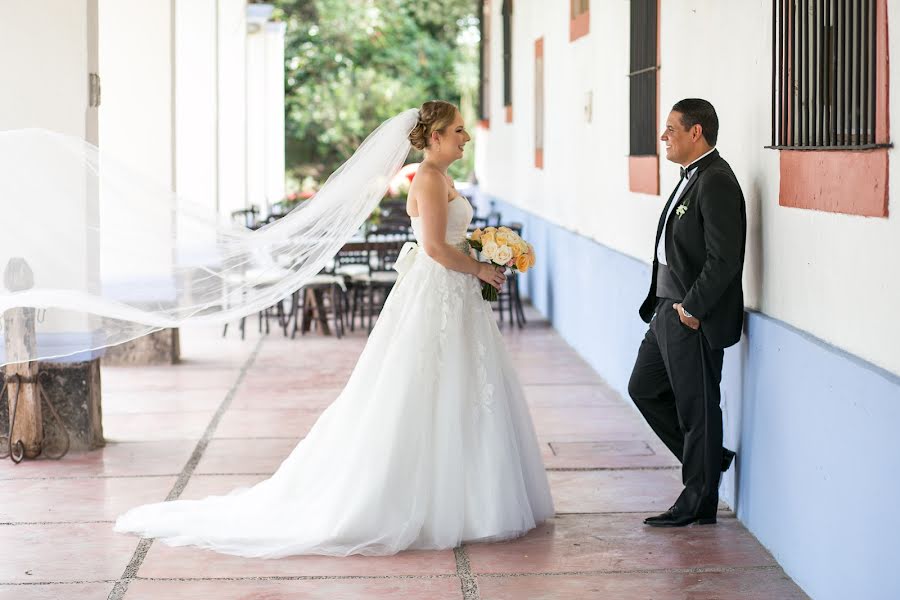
x=727 y=458
x=673 y=518
x=664 y=516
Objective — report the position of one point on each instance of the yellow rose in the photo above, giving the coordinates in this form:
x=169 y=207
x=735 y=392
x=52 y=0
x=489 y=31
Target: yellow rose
x=523 y=263
x=531 y=258
x=501 y=237
x=520 y=247
x=490 y=230
x=509 y=232
x=488 y=236
x=476 y=235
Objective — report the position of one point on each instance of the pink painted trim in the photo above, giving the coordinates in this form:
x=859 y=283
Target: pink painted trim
x=643 y=174
x=580 y=26
x=850 y=182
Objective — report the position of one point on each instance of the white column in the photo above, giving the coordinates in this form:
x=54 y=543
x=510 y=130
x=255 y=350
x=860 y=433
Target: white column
x=196 y=110
x=256 y=106
x=265 y=107
x=44 y=61
x=274 y=111
x=47 y=51
x=232 y=106
x=196 y=125
x=137 y=129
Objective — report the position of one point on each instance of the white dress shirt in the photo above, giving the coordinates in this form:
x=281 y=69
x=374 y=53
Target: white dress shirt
x=691 y=171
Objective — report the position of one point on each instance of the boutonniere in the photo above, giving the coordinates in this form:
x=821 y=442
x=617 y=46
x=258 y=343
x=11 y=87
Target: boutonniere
x=682 y=209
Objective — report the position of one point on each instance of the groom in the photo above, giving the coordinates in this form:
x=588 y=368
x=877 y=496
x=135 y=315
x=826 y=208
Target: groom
x=695 y=309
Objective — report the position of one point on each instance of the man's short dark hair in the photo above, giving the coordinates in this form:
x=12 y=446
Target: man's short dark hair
x=695 y=111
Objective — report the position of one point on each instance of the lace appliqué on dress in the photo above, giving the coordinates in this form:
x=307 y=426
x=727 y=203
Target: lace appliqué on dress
x=483 y=403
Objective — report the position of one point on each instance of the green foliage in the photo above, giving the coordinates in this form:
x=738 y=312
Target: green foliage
x=351 y=64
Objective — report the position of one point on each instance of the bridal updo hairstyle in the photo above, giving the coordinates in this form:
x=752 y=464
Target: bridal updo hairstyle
x=435 y=115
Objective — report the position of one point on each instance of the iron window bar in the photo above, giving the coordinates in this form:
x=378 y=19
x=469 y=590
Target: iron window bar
x=823 y=75
x=644 y=64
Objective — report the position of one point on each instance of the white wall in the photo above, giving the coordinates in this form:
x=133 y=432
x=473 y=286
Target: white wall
x=232 y=106
x=47 y=85
x=44 y=64
x=828 y=274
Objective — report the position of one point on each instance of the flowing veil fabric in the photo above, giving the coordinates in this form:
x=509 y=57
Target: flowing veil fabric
x=95 y=255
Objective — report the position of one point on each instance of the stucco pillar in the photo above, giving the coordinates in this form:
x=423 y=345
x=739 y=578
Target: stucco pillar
x=49 y=55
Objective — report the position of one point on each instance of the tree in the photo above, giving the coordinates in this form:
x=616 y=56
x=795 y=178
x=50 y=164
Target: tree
x=351 y=64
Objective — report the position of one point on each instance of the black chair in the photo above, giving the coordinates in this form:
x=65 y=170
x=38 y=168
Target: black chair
x=354 y=267
x=383 y=244
x=238 y=278
x=393 y=214
x=247 y=217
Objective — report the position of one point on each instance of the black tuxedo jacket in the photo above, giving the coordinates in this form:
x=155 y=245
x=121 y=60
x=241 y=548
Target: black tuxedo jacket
x=705 y=239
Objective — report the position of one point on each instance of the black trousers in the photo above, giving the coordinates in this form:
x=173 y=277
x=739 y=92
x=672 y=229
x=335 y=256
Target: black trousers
x=675 y=385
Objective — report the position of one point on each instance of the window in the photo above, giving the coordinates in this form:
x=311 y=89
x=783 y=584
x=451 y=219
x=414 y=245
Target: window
x=580 y=21
x=484 y=90
x=507 y=58
x=539 y=103
x=825 y=80
x=643 y=164
x=829 y=104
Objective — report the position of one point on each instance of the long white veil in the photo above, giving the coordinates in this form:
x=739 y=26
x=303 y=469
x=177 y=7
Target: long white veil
x=95 y=256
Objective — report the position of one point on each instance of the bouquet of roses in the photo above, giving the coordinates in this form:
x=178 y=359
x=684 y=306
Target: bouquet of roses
x=503 y=247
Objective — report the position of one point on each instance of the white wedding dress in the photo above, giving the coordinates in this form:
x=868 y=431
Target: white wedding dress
x=430 y=443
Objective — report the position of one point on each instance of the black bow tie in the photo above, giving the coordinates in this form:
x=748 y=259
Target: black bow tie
x=684 y=172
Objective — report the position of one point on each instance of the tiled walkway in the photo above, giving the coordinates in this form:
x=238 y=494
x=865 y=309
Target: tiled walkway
x=232 y=411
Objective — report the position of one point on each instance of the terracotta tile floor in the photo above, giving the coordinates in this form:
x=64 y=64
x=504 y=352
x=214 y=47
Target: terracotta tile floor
x=607 y=472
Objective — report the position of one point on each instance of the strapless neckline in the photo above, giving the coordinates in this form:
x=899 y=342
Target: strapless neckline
x=448 y=204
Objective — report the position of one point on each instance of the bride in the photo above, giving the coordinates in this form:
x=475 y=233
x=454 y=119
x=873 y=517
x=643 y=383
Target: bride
x=429 y=445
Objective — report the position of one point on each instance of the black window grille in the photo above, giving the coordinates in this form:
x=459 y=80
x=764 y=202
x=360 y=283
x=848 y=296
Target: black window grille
x=484 y=56
x=643 y=77
x=579 y=7
x=823 y=72
x=507 y=52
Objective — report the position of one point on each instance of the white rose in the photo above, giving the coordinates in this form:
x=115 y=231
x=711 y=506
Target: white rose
x=503 y=255
x=489 y=250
